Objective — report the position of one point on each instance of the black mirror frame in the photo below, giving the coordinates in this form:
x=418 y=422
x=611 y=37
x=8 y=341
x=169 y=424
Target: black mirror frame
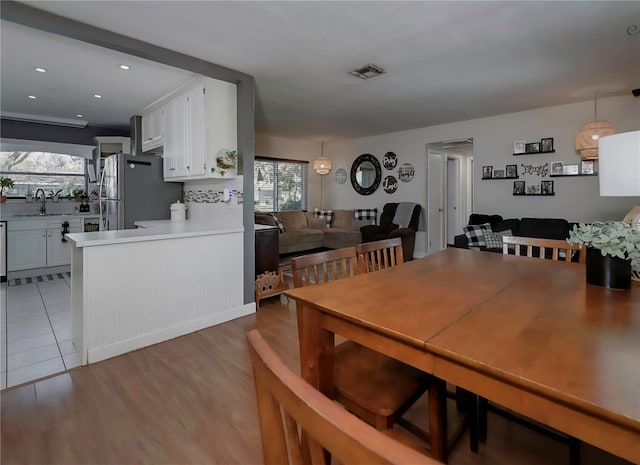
x=354 y=168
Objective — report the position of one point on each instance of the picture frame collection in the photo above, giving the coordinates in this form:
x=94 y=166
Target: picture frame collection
x=545 y=145
x=545 y=187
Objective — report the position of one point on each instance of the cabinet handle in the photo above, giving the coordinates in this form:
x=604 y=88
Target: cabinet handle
x=150 y=138
x=44 y=235
x=188 y=167
x=171 y=169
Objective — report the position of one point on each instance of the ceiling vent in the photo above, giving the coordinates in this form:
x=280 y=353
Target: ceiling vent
x=368 y=71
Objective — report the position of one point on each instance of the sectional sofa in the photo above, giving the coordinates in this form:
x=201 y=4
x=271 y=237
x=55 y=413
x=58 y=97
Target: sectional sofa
x=302 y=231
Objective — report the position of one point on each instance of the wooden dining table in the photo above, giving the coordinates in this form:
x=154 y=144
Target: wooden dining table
x=526 y=333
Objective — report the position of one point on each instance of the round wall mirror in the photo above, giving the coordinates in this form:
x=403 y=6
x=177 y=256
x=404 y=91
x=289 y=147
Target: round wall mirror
x=366 y=174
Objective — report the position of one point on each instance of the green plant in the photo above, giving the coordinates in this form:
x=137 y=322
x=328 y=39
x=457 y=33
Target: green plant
x=5 y=183
x=78 y=193
x=613 y=238
x=226 y=162
x=52 y=194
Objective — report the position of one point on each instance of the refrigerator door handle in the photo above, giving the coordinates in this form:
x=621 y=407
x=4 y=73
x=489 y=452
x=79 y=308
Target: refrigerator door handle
x=102 y=218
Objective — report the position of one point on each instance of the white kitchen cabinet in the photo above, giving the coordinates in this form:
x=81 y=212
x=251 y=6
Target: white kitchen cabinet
x=200 y=124
x=37 y=243
x=26 y=249
x=153 y=129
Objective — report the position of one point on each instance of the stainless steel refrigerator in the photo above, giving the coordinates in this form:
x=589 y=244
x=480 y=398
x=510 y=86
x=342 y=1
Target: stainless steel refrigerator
x=132 y=188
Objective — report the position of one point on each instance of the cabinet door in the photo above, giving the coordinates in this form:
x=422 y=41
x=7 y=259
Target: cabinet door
x=26 y=249
x=195 y=131
x=181 y=139
x=152 y=129
x=58 y=252
x=169 y=154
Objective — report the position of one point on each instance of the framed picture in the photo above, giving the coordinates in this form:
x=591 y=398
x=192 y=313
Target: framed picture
x=487 y=172
x=547 y=187
x=586 y=167
x=512 y=171
x=519 y=146
x=547 y=144
x=533 y=189
x=556 y=167
x=498 y=173
x=570 y=169
x=532 y=147
x=518 y=187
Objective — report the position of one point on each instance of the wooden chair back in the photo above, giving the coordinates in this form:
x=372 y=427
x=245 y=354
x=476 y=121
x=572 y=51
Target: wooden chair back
x=297 y=422
x=537 y=248
x=323 y=267
x=380 y=254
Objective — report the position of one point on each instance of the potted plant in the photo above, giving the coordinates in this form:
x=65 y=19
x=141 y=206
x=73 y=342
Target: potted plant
x=29 y=197
x=5 y=183
x=225 y=162
x=612 y=248
x=79 y=194
x=54 y=195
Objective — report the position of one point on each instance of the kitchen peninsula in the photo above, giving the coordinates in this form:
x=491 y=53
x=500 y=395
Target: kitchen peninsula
x=136 y=287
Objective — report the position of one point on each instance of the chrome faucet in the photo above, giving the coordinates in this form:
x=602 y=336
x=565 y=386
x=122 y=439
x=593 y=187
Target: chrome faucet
x=43 y=207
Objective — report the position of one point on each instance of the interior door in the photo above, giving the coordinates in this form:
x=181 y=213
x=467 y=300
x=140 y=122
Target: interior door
x=436 y=201
x=453 y=199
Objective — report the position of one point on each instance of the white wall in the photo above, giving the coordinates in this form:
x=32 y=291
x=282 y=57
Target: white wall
x=576 y=199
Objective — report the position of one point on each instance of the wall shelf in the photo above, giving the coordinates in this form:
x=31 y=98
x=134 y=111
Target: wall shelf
x=534 y=153
x=538 y=195
x=500 y=179
x=571 y=175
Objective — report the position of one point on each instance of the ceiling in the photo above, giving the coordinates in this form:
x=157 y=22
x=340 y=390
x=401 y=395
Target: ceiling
x=444 y=61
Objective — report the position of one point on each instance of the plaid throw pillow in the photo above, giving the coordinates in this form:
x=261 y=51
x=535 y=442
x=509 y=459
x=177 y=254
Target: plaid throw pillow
x=475 y=234
x=366 y=214
x=278 y=223
x=328 y=215
x=494 y=239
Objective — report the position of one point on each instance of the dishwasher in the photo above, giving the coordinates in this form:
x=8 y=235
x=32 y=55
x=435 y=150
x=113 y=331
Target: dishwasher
x=3 y=251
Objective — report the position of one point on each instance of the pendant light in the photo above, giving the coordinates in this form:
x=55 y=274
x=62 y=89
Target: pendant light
x=586 y=141
x=322 y=165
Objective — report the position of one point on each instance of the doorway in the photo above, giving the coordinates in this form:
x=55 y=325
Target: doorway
x=449 y=191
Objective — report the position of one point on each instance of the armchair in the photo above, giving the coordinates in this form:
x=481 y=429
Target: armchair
x=388 y=230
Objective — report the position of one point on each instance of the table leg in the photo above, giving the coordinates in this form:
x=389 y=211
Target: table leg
x=317 y=353
x=438 y=419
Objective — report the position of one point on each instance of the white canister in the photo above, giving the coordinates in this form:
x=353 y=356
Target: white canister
x=178 y=211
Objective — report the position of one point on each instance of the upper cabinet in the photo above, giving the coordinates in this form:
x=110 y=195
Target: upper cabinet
x=199 y=130
x=153 y=129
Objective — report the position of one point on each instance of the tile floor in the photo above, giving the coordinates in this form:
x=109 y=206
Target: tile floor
x=36 y=331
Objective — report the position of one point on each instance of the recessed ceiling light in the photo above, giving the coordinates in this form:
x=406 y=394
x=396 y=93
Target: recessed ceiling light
x=32 y=97
x=40 y=70
x=97 y=95
x=79 y=115
x=127 y=67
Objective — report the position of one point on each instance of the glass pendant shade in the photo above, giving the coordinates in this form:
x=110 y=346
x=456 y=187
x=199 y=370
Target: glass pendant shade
x=586 y=141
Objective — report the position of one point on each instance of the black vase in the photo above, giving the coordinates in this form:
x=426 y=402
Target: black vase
x=607 y=271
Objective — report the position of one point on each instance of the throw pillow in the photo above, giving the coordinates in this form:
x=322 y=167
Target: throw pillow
x=494 y=239
x=475 y=234
x=278 y=223
x=328 y=215
x=366 y=214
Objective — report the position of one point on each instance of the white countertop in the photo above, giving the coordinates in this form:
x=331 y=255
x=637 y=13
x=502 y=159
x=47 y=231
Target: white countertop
x=152 y=231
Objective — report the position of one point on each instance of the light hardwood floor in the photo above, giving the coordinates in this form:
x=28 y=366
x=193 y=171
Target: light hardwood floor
x=191 y=401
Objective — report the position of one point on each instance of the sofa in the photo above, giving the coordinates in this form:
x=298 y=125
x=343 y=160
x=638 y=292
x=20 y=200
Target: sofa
x=302 y=231
x=542 y=228
x=388 y=230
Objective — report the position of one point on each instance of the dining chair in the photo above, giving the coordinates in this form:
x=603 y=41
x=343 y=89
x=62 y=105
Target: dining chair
x=553 y=249
x=312 y=422
x=377 y=388
x=376 y=255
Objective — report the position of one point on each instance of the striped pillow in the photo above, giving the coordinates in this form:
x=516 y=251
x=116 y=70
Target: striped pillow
x=278 y=223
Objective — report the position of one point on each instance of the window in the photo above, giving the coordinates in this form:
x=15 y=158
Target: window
x=280 y=184
x=51 y=172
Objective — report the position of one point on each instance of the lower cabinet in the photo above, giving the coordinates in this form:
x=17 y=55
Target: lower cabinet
x=38 y=243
